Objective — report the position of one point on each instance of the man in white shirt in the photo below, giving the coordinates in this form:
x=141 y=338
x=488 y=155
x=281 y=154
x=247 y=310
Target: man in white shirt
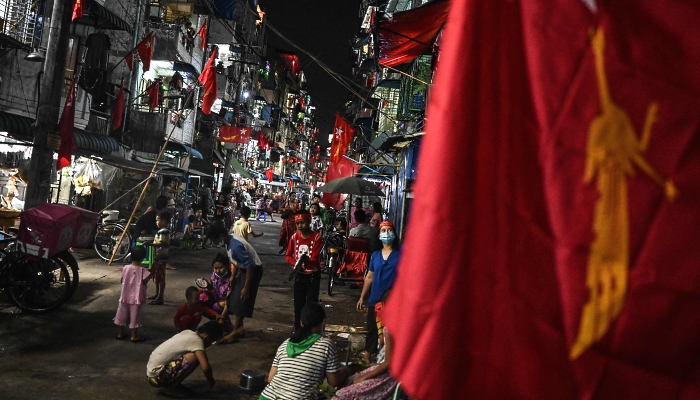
x=176 y=358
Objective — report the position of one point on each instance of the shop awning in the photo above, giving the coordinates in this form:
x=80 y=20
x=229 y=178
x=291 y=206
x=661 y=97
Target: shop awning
x=393 y=143
x=185 y=67
x=20 y=127
x=10 y=42
x=239 y=169
x=176 y=147
x=98 y=16
x=219 y=159
x=121 y=163
x=17 y=126
x=95 y=141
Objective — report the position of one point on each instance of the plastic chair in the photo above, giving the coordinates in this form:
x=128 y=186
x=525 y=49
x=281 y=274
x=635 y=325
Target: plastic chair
x=150 y=255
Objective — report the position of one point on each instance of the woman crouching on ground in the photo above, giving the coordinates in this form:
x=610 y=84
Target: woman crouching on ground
x=304 y=360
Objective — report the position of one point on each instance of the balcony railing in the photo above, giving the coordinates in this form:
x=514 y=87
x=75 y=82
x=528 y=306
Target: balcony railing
x=22 y=20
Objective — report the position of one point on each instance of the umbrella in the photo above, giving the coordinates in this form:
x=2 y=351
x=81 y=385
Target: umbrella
x=352 y=185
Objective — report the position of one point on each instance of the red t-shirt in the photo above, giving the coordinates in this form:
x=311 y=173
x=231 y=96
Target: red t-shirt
x=197 y=310
x=310 y=246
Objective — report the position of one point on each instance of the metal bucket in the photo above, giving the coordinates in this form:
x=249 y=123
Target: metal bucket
x=252 y=380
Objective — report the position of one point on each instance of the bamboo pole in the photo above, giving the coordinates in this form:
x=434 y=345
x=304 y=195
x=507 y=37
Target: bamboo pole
x=125 y=193
x=148 y=180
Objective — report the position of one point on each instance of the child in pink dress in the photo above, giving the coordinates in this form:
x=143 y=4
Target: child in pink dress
x=134 y=281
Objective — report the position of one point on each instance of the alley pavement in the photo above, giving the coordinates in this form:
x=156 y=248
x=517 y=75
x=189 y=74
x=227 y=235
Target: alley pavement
x=71 y=353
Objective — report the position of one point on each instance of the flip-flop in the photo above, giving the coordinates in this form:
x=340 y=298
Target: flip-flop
x=140 y=339
x=156 y=303
x=120 y=337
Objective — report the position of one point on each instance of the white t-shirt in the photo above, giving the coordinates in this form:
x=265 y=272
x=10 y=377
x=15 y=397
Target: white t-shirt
x=184 y=342
x=296 y=377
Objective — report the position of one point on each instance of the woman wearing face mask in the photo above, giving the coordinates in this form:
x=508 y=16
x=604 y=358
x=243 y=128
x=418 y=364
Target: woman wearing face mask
x=380 y=278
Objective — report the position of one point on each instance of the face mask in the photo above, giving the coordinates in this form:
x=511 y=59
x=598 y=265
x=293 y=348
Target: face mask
x=387 y=237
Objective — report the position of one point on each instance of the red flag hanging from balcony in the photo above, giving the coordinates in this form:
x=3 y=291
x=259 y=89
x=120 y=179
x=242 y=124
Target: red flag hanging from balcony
x=572 y=269
x=409 y=34
x=203 y=34
x=342 y=136
x=66 y=129
x=234 y=134
x=78 y=9
x=153 y=91
x=269 y=174
x=129 y=59
x=208 y=80
x=145 y=50
x=118 y=108
x=263 y=141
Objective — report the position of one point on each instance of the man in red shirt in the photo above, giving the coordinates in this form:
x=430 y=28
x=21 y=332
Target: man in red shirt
x=307 y=279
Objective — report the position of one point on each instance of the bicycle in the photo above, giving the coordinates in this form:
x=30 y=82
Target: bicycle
x=106 y=237
x=35 y=286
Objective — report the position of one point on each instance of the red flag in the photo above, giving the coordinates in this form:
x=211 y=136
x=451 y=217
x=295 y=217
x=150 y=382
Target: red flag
x=208 y=80
x=118 y=108
x=78 y=9
x=342 y=136
x=269 y=174
x=145 y=50
x=153 y=91
x=340 y=169
x=66 y=130
x=409 y=34
x=234 y=134
x=129 y=58
x=558 y=130
x=203 y=34
x=263 y=141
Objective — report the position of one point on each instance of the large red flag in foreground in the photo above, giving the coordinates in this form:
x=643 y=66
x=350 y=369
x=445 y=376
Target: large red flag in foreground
x=571 y=265
x=208 y=80
x=339 y=169
x=66 y=130
x=342 y=136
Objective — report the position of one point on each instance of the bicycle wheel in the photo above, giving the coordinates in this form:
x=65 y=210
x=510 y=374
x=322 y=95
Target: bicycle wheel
x=106 y=239
x=38 y=286
x=71 y=264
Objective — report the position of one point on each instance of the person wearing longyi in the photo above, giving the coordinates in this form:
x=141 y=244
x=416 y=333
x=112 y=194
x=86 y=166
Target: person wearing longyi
x=307 y=282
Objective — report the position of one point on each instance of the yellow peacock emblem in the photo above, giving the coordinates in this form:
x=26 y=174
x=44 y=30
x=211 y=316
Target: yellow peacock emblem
x=613 y=150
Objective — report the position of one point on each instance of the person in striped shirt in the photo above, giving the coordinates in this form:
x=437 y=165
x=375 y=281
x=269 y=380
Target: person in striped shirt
x=303 y=361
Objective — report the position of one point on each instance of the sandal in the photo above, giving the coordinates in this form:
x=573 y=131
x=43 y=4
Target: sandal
x=120 y=337
x=152 y=297
x=137 y=340
x=156 y=303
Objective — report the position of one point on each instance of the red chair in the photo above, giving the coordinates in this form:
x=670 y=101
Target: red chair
x=355 y=261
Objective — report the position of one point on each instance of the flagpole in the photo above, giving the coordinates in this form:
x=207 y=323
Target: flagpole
x=148 y=181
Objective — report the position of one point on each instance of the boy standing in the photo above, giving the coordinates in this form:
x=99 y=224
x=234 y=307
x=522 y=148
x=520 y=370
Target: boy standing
x=307 y=282
x=242 y=227
x=176 y=358
x=161 y=244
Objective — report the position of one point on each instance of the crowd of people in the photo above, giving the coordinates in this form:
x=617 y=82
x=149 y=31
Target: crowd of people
x=305 y=360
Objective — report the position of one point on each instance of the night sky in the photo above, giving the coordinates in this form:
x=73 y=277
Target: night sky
x=324 y=28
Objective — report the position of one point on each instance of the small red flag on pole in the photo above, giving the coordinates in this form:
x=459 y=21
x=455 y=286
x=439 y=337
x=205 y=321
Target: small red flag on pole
x=118 y=109
x=65 y=129
x=203 y=34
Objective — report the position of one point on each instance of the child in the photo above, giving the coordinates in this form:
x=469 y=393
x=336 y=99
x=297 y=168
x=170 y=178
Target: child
x=161 y=243
x=217 y=229
x=188 y=233
x=198 y=227
x=134 y=281
x=343 y=226
x=287 y=230
x=176 y=358
x=189 y=314
x=217 y=293
x=307 y=282
x=242 y=227
x=316 y=221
